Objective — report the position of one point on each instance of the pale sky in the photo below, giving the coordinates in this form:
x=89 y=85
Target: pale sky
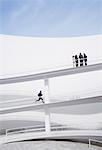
x=51 y=18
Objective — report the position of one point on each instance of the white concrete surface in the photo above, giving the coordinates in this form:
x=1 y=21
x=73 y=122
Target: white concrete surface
x=48 y=145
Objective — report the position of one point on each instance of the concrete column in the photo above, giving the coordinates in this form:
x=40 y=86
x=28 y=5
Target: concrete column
x=47 y=111
x=46 y=84
x=47 y=120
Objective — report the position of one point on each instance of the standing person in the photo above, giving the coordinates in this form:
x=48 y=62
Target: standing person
x=73 y=59
x=85 y=59
x=40 y=96
x=81 y=59
x=76 y=60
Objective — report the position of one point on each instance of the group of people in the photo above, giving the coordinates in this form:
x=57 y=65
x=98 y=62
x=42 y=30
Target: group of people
x=80 y=60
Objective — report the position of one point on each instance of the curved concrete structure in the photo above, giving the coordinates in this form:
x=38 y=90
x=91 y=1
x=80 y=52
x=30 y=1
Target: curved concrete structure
x=51 y=74
x=62 y=134
x=97 y=99
x=55 y=132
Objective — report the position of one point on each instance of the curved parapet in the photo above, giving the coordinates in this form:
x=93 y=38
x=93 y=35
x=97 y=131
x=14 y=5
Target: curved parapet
x=57 y=132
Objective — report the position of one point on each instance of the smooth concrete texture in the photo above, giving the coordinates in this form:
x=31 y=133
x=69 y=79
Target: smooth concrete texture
x=28 y=107
x=17 y=43
x=41 y=52
x=51 y=74
x=47 y=145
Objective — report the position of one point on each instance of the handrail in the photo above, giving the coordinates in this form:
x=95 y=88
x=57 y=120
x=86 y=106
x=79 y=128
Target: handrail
x=94 y=140
x=29 y=128
x=34 y=129
x=24 y=130
x=40 y=133
x=8 y=130
x=39 y=128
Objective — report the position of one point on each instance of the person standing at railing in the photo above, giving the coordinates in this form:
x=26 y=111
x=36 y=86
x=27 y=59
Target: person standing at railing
x=81 y=59
x=73 y=60
x=76 y=60
x=40 y=96
x=85 y=59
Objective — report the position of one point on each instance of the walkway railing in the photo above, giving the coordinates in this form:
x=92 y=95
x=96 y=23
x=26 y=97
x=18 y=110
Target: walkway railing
x=37 y=128
x=40 y=128
x=95 y=141
x=36 y=132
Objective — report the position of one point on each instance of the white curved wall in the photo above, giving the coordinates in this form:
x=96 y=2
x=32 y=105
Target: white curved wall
x=90 y=121
x=29 y=54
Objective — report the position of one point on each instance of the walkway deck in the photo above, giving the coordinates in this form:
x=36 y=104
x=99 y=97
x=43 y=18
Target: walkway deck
x=52 y=74
x=97 y=99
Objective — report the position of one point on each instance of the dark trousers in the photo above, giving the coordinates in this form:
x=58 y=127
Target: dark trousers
x=76 y=63
x=81 y=63
x=40 y=98
x=85 y=62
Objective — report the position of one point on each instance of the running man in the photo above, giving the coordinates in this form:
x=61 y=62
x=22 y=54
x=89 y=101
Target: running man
x=40 y=96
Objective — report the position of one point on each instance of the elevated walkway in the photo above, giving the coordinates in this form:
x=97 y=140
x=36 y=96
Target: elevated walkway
x=97 y=99
x=49 y=134
x=61 y=133
x=51 y=74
